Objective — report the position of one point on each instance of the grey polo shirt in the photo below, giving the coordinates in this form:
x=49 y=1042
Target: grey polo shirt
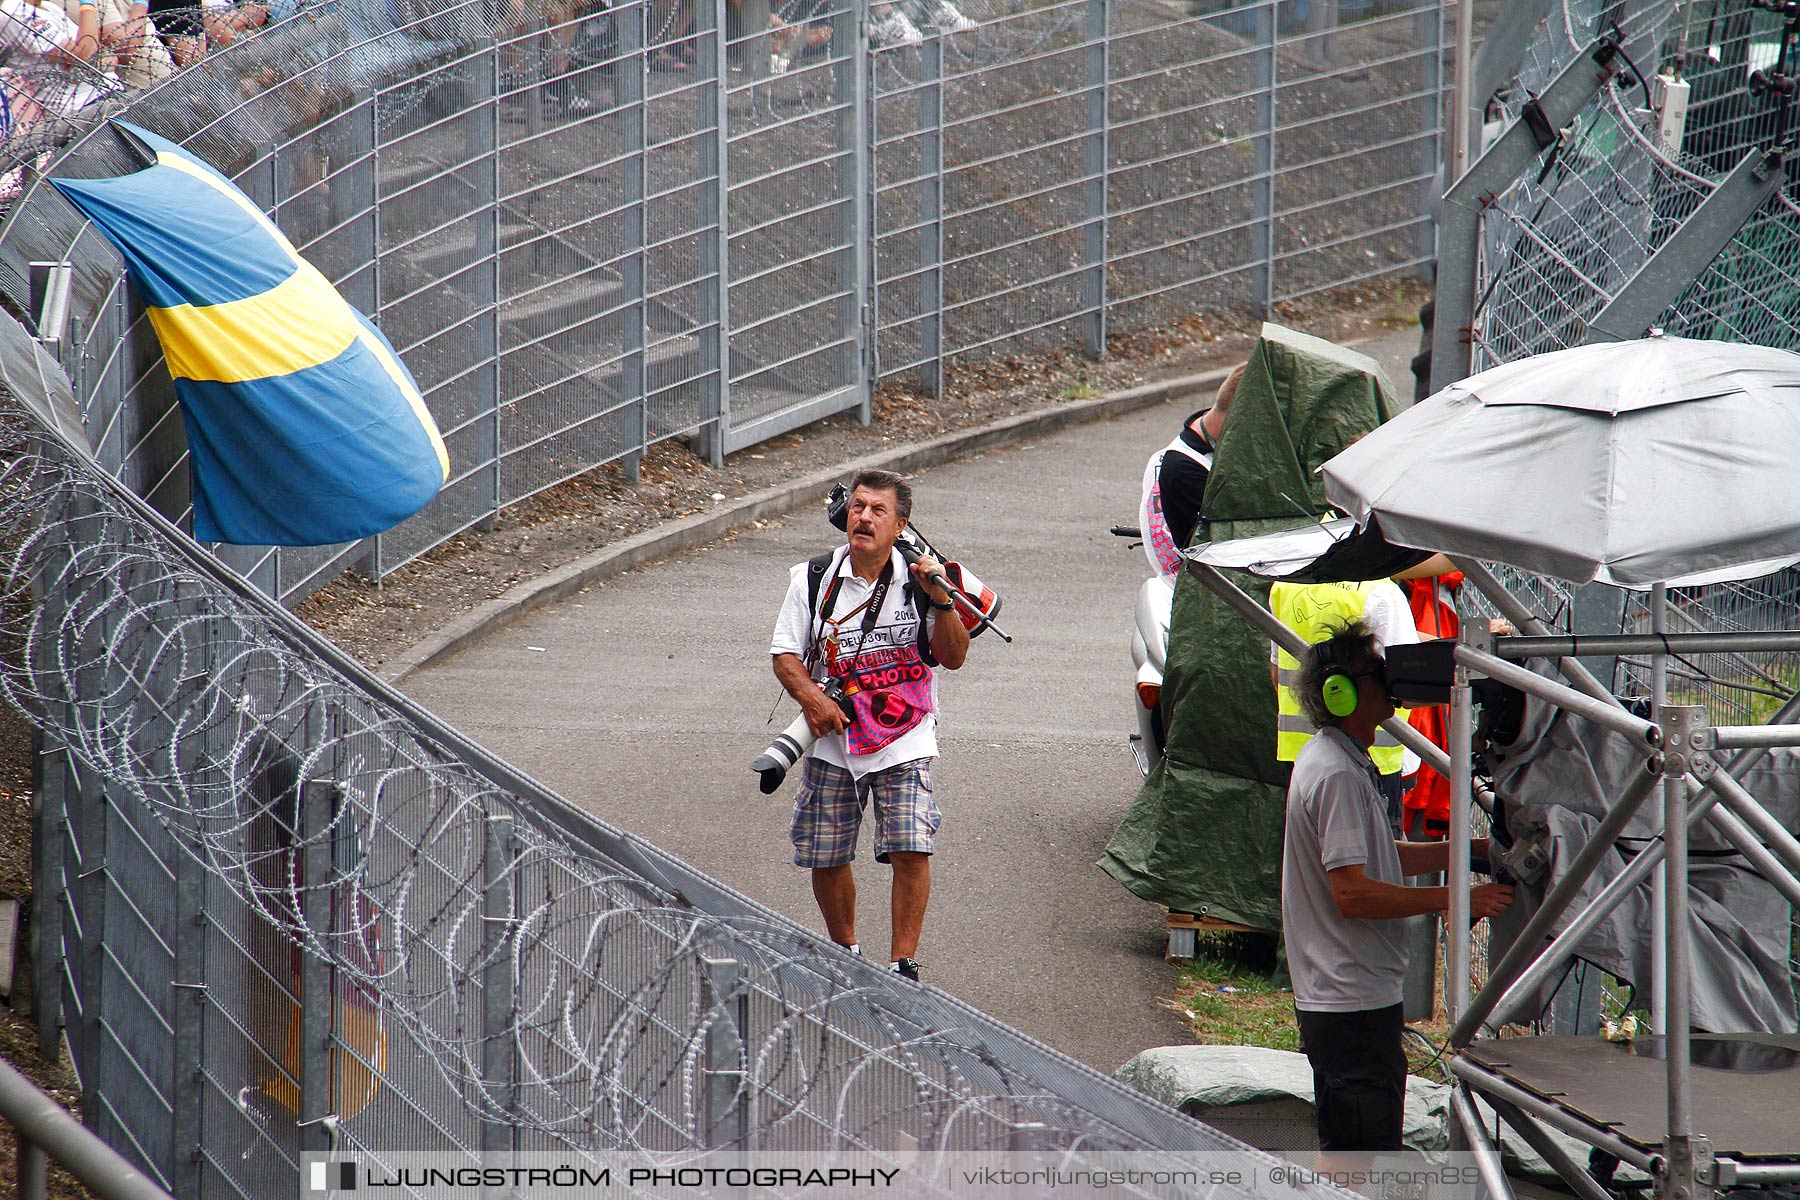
x=1337 y=818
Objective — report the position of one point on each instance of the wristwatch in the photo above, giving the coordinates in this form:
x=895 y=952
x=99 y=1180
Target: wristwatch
x=945 y=607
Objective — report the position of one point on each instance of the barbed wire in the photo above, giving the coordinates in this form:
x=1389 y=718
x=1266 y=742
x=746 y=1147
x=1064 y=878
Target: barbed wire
x=187 y=703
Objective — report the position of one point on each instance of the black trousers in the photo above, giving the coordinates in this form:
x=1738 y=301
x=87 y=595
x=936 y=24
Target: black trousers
x=1359 y=1076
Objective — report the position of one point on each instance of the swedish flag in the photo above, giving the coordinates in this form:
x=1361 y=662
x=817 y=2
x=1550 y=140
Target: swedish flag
x=304 y=428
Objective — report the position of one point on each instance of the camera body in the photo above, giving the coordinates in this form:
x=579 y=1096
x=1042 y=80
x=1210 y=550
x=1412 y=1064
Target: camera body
x=773 y=764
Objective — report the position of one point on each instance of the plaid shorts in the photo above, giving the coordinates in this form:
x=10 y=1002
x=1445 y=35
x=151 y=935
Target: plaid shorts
x=829 y=809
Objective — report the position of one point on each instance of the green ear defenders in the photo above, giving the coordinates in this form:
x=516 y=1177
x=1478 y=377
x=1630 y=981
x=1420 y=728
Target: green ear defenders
x=1339 y=689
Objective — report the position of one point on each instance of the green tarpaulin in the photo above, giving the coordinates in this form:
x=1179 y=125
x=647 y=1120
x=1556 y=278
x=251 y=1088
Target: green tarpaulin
x=1204 y=834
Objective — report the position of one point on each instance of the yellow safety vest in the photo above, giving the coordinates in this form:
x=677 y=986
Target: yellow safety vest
x=1314 y=610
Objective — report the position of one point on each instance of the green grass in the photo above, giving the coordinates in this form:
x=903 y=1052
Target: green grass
x=1254 y=1011
x=1229 y=996
x=1081 y=391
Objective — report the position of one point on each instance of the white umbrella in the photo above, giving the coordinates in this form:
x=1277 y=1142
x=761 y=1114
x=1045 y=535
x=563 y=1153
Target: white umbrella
x=1665 y=460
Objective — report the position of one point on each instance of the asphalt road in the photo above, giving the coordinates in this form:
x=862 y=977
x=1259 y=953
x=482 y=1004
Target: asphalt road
x=644 y=699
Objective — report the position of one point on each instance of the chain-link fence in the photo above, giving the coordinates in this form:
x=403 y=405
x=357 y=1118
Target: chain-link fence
x=590 y=228
x=282 y=910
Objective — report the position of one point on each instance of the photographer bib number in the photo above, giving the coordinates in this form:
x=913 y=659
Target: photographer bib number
x=891 y=693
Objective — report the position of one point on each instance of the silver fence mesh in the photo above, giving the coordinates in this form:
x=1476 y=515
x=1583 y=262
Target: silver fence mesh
x=280 y=909
x=590 y=228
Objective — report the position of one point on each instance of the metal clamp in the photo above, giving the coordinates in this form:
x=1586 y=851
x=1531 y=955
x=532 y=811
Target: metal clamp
x=1476 y=636
x=1685 y=734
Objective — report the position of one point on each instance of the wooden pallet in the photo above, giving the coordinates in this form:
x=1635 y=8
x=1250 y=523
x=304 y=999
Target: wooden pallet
x=1184 y=929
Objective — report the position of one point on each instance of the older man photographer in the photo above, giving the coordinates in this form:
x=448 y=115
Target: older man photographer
x=1344 y=899
x=858 y=654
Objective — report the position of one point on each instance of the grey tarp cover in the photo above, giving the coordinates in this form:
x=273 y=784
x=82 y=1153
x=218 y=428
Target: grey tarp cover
x=1197 y=1078
x=1204 y=833
x=1561 y=774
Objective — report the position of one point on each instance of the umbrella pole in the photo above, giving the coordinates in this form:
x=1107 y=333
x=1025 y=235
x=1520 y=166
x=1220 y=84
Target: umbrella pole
x=1673 y=1023
x=1659 y=880
x=1456 y=974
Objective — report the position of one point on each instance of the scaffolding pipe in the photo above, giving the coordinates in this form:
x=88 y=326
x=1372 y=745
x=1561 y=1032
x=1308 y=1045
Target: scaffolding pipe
x=1742 y=737
x=1762 y=824
x=1659 y=880
x=1487 y=1159
x=1763 y=1174
x=1611 y=645
x=1527 y=945
x=1601 y=712
x=1676 y=1035
x=1490 y=1084
x=1550 y=1150
x=1528 y=624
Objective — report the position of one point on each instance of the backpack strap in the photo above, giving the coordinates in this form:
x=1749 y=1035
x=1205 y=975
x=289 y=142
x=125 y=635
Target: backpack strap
x=921 y=605
x=816 y=568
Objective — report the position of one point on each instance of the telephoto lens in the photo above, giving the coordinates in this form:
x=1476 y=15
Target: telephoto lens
x=772 y=764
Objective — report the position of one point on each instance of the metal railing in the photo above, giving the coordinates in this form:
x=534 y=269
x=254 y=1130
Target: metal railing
x=589 y=230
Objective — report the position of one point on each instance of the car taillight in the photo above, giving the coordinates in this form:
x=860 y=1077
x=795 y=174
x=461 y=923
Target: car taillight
x=1149 y=694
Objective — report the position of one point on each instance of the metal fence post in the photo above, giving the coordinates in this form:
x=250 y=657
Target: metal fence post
x=725 y=1108
x=856 y=264
x=1266 y=74
x=378 y=299
x=314 y=839
x=631 y=84
x=1095 y=160
x=49 y=814
x=188 y=996
x=1428 y=27
x=481 y=145
x=714 y=239
x=931 y=215
x=91 y=821
x=500 y=1045
x=51 y=777
x=34 y=1168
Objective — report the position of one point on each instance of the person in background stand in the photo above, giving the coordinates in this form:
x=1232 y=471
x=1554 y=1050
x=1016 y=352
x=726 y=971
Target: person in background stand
x=1175 y=481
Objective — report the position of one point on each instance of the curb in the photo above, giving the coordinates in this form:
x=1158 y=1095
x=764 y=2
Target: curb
x=670 y=537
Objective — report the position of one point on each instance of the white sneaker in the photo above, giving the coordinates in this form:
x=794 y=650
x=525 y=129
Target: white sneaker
x=893 y=28
x=947 y=17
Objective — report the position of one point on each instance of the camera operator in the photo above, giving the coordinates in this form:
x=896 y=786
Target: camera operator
x=860 y=661
x=1344 y=899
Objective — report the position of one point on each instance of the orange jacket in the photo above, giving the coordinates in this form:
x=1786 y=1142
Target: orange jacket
x=1434 y=615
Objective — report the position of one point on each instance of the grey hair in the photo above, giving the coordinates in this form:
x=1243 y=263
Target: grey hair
x=886 y=481
x=1347 y=648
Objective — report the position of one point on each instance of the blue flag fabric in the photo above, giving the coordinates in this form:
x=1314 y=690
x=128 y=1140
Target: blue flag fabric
x=304 y=428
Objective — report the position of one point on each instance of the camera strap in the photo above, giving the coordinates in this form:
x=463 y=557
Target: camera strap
x=816 y=568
